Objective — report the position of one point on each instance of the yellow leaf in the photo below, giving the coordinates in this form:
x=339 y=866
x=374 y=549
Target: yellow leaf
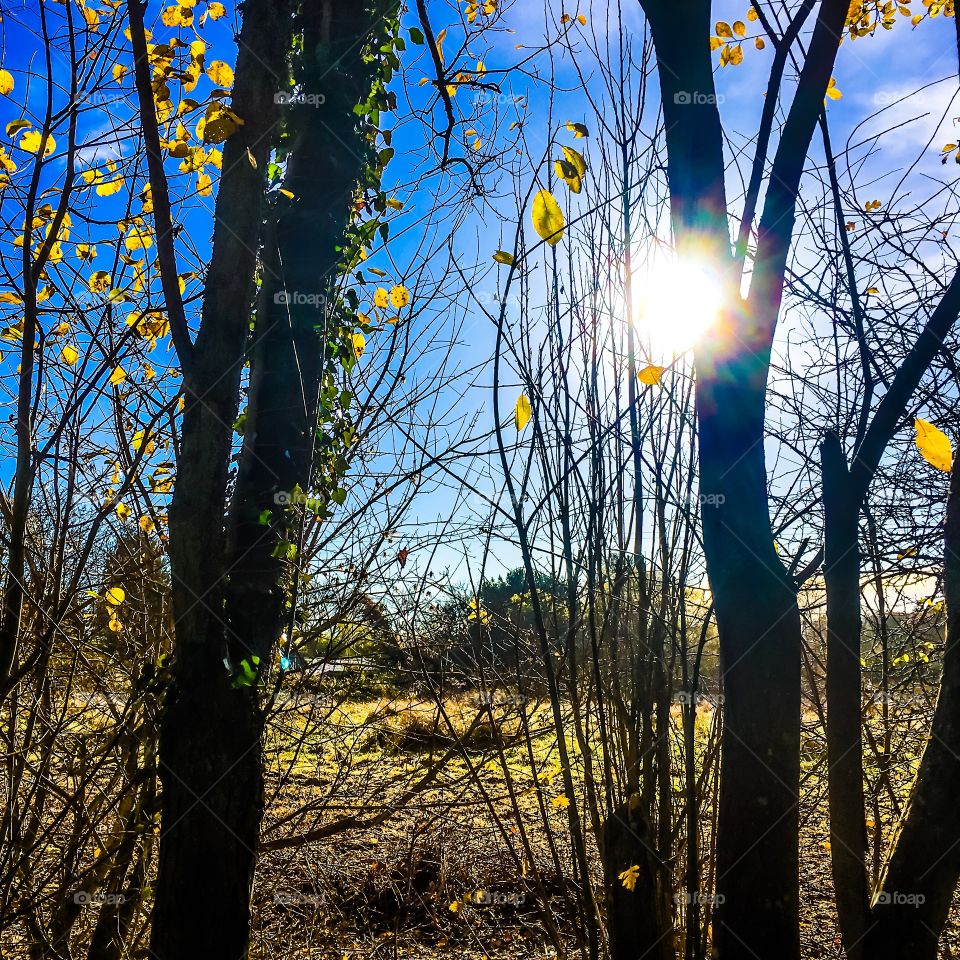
x=731 y=55
x=146 y=524
x=140 y=439
x=32 y=140
x=399 y=296
x=758 y=42
x=381 y=298
x=251 y=159
x=176 y=16
x=119 y=72
x=455 y=906
x=630 y=876
x=99 y=282
x=651 y=374
x=220 y=73
x=359 y=344
x=109 y=187
x=501 y=256
x=548 y=217
x=723 y=29
x=576 y=159
x=216 y=11
x=439 y=43
x=934 y=445
x=571 y=168
x=561 y=802
x=204 y=184
x=9 y=297
x=118 y=376
x=217 y=124
x=522 y=412
x=287 y=193
x=6 y=83
x=832 y=90
x=69 y=355
x=115 y=596
x=740 y=28
x=123 y=511
x=115 y=625
x=578 y=130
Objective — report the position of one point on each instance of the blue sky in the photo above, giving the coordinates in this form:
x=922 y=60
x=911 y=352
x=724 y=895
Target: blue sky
x=879 y=73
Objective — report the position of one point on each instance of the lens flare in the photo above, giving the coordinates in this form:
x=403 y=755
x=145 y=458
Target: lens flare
x=677 y=302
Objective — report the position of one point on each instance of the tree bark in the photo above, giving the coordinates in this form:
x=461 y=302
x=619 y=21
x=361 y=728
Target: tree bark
x=911 y=906
x=229 y=591
x=209 y=756
x=639 y=926
x=297 y=328
x=848 y=832
x=758 y=617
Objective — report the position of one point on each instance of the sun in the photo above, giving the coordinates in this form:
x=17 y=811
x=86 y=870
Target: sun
x=676 y=303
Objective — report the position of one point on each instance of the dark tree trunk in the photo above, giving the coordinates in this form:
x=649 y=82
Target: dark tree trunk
x=228 y=587
x=757 y=912
x=916 y=889
x=640 y=926
x=209 y=757
x=848 y=832
x=298 y=323
x=758 y=618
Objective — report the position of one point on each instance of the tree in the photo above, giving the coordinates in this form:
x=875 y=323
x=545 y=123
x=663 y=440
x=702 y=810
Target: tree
x=228 y=590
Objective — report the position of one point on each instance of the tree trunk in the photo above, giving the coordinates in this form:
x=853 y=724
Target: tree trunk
x=299 y=324
x=639 y=926
x=209 y=756
x=848 y=831
x=758 y=622
x=758 y=618
x=228 y=589
x=916 y=890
